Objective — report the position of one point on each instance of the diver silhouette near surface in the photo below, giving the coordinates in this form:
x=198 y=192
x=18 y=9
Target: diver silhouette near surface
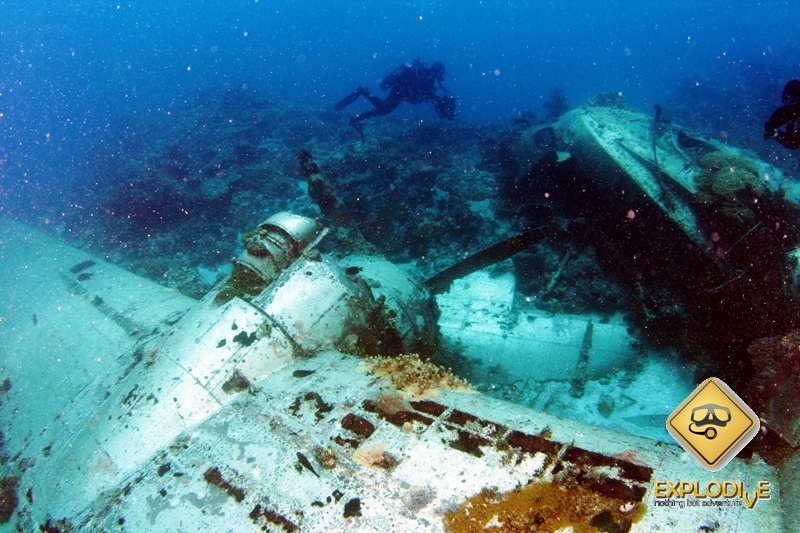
x=414 y=83
x=788 y=114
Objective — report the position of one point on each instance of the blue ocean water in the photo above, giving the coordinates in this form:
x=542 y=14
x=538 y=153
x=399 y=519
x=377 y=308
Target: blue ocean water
x=73 y=70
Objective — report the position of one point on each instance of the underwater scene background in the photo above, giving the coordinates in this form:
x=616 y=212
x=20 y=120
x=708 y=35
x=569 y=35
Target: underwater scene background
x=156 y=135
x=87 y=89
x=77 y=74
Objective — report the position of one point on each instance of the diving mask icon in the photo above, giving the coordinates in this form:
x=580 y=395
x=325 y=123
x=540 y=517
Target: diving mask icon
x=697 y=424
x=709 y=414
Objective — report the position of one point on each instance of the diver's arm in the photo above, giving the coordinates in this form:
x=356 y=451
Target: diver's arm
x=781 y=116
x=789 y=138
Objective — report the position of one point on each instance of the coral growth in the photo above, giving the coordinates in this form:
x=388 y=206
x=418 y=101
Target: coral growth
x=375 y=455
x=390 y=403
x=417 y=498
x=415 y=377
x=726 y=174
x=731 y=186
x=238 y=382
x=774 y=395
x=552 y=506
x=326 y=457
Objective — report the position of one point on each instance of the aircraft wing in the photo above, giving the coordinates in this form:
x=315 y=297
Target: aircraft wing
x=132 y=408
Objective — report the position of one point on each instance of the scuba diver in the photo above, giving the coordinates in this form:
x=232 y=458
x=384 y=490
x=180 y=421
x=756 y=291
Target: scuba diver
x=414 y=83
x=788 y=114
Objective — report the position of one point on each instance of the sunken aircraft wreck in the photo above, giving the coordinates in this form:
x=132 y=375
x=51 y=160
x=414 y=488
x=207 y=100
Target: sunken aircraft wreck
x=302 y=394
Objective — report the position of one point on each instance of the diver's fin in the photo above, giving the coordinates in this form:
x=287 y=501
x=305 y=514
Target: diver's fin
x=350 y=98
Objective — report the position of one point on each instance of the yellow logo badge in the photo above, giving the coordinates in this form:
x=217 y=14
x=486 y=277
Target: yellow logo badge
x=713 y=424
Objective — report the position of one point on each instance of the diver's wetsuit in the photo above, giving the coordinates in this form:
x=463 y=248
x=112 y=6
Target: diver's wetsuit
x=414 y=83
x=788 y=114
